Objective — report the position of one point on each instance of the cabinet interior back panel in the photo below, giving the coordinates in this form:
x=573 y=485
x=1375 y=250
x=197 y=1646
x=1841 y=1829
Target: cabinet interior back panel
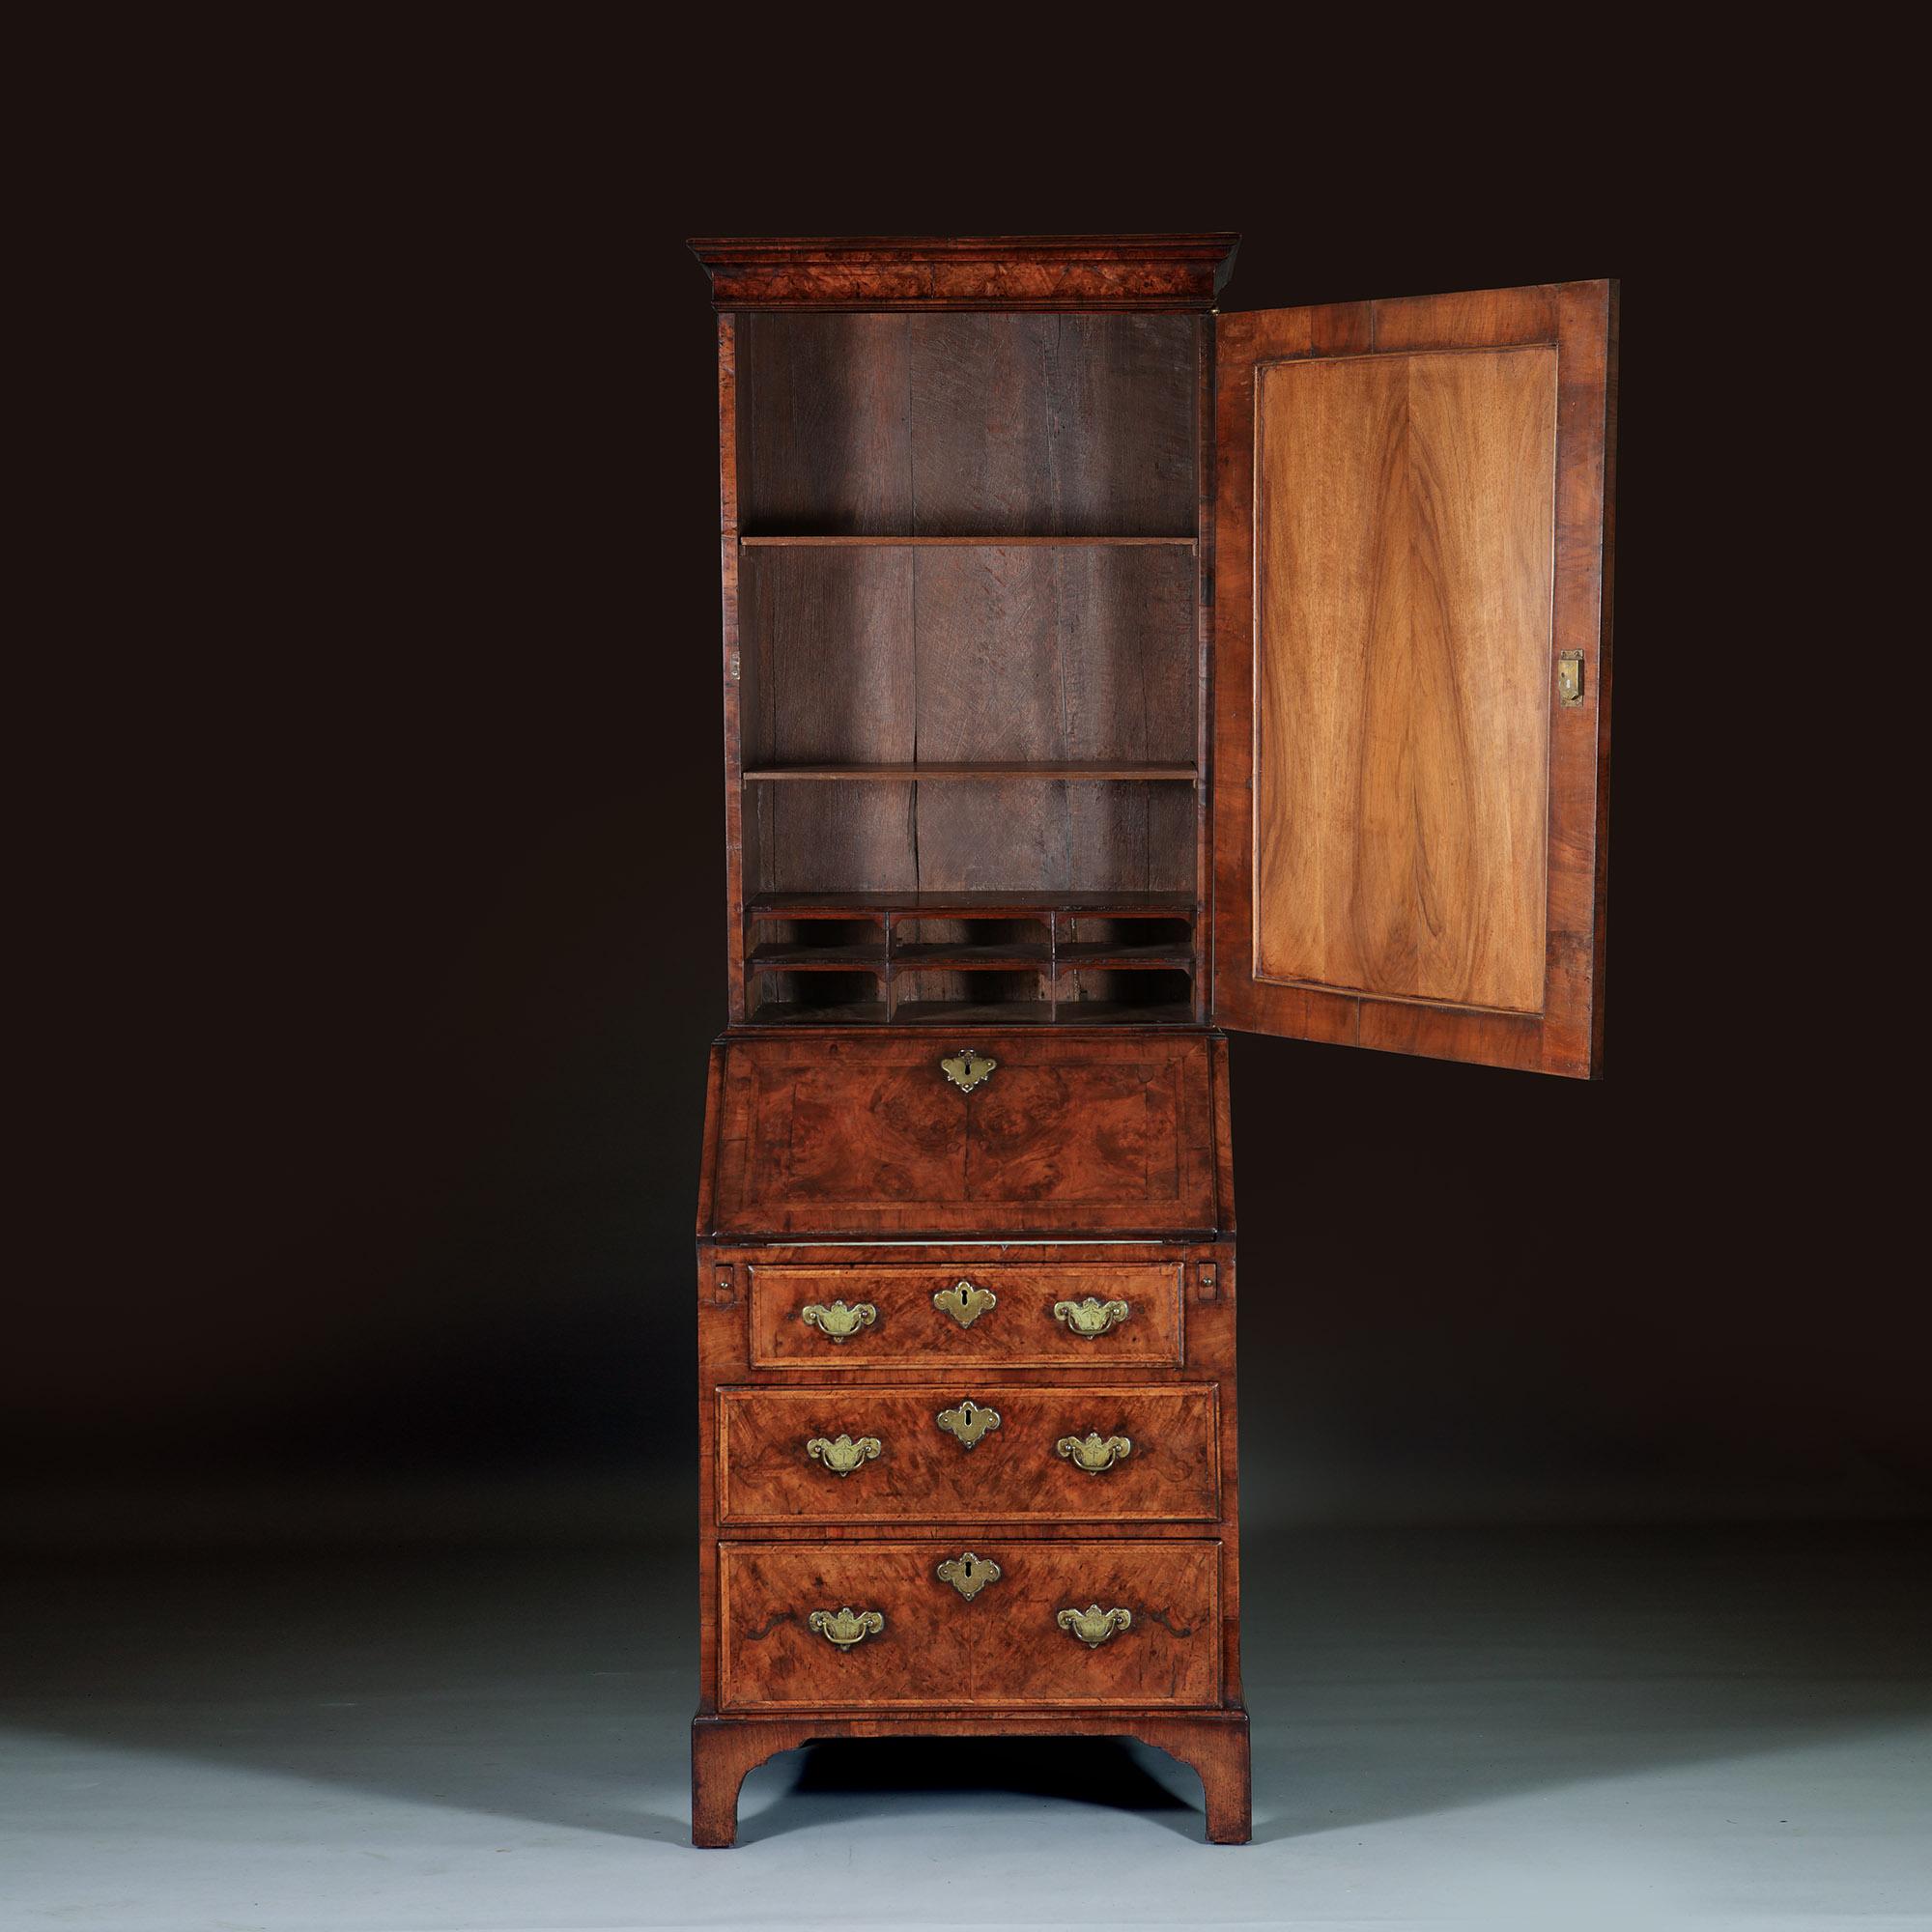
x=964 y=656
x=967 y=424
x=1404 y=555
x=989 y=653
x=1021 y=834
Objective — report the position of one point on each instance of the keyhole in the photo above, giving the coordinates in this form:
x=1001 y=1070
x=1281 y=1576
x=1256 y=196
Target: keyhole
x=968 y=1569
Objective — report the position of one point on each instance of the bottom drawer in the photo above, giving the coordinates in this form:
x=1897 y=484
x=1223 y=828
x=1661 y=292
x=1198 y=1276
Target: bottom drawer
x=1025 y=1636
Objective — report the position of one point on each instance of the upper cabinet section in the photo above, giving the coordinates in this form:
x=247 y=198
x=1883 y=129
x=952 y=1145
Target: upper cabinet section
x=965 y=608
x=1089 y=655
x=968 y=271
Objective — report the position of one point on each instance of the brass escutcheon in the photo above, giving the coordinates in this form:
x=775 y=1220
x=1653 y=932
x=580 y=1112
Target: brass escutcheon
x=969 y=1422
x=1092 y=1316
x=1094 y=1626
x=966 y=1068
x=968 y=1573
x=1095 y=1453
x=839 y=1322
x=1569 y=679
x=964 y=1302
x=846 y=1626
x=841 y=1456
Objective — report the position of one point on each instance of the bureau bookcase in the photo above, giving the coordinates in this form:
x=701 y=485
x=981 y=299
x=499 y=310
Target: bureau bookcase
x=1100 y=672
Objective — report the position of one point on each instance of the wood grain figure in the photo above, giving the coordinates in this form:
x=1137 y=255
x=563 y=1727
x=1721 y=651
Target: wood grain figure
x=1403 y=583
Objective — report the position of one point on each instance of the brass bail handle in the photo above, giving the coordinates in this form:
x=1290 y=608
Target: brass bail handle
x=1094 y=1626
x=1095 y=1453
x=841 y=1454
x=1091 y=1317
x=839 y=1322
x=845 y=1627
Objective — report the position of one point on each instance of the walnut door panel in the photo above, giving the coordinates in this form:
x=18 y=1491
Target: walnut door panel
x=1005 y=1647
x=1015 y=1470
x=899 y=1325
x=1102 y=1133
x=1401 y=588
x=1412 y=689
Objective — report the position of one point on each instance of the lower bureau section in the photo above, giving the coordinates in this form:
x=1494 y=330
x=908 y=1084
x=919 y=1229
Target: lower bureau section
x=1024 y=1624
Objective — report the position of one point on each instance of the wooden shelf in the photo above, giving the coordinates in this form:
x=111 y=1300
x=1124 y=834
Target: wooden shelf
x=1039 y=1013
x=991 y=542
x=1082 y=771
x=979 y=903
x=791 y=1013
x=1131 y=1012
x=973 y=1012
x=976 y=1013
x=1082 y=955
x=816 y=960
x=1009 y=956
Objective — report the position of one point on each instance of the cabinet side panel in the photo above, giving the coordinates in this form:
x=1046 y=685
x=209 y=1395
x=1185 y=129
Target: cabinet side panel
x=735 y=835
x=1204 y=664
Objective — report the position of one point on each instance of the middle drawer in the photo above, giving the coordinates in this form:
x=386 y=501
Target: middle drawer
x=950 y=1452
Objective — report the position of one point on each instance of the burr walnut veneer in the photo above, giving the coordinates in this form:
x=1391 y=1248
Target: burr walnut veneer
x=1098 y=671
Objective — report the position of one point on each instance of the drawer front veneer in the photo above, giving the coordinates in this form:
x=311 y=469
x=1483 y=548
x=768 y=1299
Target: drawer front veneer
x=1063 y=1625
x=1124 y=1314
x=1055 y=1454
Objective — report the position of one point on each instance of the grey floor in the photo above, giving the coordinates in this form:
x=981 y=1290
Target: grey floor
x=1717 y=1728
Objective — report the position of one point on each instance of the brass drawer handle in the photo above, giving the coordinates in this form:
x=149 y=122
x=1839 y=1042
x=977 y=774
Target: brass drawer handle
x=1092 y=1316
x=1094 y=1626
x=968 y=1573
x=839 y=1322
x=841 y=1456
x=969 y=1423
x=846 y=1626
x=966 y=1068
x=1095 y=1453
x=964 y=1302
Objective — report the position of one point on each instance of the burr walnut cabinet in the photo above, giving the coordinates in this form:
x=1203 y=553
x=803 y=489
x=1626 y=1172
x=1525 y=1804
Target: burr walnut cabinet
x=1099 y=672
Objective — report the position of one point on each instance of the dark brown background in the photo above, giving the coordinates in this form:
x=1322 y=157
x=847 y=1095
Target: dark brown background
x=389 y=909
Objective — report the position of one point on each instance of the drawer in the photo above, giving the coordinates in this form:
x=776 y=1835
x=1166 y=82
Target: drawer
x=1099 y=1133
x=882 y=1454
x=999 y=1313
x=913 y=1639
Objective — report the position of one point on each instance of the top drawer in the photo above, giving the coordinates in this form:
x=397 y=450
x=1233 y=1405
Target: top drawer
x=1021 y=1316
x=1099 y=1132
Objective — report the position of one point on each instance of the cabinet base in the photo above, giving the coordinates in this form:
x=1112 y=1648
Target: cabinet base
x=1214 y=1743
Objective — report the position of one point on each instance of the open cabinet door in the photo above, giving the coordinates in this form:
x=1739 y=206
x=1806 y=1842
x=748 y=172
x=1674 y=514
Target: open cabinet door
x=1413 y=673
